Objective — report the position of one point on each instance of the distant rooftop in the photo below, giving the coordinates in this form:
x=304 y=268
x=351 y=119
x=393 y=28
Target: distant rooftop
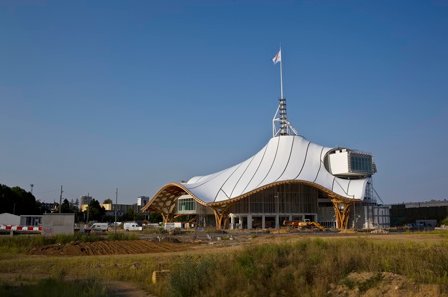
x=431 y=203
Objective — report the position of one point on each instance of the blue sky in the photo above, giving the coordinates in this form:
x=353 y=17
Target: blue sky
x=96 y=95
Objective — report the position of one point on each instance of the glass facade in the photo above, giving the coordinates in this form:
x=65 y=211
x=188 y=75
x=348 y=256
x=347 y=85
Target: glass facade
x=287 y=198
x=186 y=205
x=361 y=163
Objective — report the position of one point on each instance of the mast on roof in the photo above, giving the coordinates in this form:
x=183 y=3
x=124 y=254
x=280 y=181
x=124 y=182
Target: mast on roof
x=280 y=124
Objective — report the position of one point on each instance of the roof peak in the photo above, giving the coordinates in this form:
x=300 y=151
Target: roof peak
x=280 y=124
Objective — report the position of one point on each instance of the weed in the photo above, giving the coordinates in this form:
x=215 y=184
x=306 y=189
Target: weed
x=371 y=282
x=308 y=267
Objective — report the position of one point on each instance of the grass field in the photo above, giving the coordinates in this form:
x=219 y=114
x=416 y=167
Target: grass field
x=268 y=266
x=54 y=287
x=309 y=266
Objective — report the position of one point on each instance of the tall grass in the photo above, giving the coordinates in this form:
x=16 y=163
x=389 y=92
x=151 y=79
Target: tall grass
x=55 y=288
x=306 y=267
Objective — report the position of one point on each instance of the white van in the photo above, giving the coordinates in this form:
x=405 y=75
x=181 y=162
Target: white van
x=99 y=227
x=132 y=226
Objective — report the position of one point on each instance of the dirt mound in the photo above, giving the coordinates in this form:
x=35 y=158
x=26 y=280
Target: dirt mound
x=369 y=284
x=109 y=248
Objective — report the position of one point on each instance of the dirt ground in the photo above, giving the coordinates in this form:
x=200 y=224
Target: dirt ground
x=110 y=248
x=205 y=242
x=162 y=248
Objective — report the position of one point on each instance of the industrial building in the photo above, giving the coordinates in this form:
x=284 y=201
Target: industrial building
x=428 y=213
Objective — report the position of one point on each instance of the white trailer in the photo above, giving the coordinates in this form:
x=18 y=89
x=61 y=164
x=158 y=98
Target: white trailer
x=132 y=226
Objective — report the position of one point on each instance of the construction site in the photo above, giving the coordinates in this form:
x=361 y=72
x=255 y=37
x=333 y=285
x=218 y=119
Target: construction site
x=150 y=262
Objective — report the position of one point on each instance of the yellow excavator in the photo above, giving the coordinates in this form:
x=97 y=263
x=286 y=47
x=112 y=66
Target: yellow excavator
x=307 y=224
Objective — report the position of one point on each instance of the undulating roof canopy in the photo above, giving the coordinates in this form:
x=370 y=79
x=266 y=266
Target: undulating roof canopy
x=286 y=158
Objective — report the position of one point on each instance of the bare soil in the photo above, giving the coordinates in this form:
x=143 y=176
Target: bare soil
x=110 y=248
x=194 y=243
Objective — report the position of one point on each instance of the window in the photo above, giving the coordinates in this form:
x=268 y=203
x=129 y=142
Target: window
x=360 y=163
x=186 y=204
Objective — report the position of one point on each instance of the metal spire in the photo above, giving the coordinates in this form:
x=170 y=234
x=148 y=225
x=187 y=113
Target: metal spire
x=280 y=124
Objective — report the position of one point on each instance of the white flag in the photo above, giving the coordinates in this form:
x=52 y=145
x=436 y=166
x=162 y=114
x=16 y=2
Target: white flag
x=278 y=57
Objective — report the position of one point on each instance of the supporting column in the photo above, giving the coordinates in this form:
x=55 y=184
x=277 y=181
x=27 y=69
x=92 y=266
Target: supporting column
x=342 y=210
x=167 y=217
x=263 y=222
x=232 y=221
x=249 y=221
x=221 y=213
x=240 y=222
x=277 y=222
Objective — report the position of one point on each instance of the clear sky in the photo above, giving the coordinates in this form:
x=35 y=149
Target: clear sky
x=96 y=95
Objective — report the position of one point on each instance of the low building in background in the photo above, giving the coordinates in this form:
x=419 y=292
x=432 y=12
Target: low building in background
x=141 y=201
x=58 y=223
x=421 y=213
x=9 y=219
x=31 y=220
x=122 y=209
x=49 y=207
x=84 y=202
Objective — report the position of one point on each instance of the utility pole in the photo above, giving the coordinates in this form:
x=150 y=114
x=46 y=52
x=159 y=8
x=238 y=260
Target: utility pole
x=88 y=208
x=60 y=201
x=116 y=202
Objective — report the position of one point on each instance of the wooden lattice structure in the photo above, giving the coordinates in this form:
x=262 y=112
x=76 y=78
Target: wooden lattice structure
x=165 y=200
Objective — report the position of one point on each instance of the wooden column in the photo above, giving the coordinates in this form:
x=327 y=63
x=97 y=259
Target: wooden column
x=221 y=213
x=342 y=211
x=167 y=217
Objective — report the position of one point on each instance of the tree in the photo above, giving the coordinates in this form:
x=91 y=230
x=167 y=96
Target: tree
x=17 y=201
x=129 y=215
x=65 y=207
x=95 y=211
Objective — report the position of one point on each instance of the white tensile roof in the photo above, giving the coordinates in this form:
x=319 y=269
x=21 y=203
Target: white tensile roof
x=284 y=158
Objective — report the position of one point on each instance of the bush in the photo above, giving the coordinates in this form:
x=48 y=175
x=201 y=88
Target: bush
x=307 y=266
